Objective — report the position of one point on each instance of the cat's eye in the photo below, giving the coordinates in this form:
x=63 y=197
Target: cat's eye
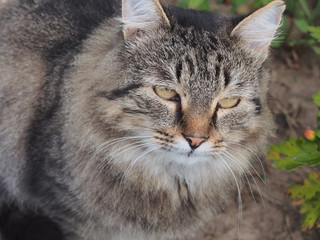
x=167 y=94
x=228 y=102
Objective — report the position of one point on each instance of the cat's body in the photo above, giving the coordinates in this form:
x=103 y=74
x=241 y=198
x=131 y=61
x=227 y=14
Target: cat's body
x=86 y=141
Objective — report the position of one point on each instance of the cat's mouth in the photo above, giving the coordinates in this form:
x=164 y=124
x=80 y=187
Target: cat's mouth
x=192 y=153
x=184 y=150
x=189 y=154
x=186 y=158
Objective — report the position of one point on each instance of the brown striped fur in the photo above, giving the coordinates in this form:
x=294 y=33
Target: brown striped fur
x=86 y=142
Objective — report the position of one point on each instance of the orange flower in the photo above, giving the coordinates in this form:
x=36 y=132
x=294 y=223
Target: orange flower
x=310 y=134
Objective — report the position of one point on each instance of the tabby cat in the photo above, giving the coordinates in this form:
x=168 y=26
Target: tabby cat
x=129 y=120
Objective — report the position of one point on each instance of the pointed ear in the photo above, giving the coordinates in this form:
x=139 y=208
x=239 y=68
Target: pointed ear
x=141 y=15
x=258 y=29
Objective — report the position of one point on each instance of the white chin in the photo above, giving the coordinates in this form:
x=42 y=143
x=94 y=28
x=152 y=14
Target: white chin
x=187 y=158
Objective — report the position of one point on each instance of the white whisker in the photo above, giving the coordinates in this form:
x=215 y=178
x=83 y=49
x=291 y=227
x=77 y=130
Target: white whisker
x=260 y=193
x=239 y=193
x=254 y=153
x=232 y=158
x=136 y=147
x=119 y=151
x=111 y=142
x=248 y=161
x=136 y=160
x=99 y=168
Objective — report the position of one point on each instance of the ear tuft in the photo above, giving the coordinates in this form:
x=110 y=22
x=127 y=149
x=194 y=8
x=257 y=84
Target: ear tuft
x=141 y=15
x=259 y=29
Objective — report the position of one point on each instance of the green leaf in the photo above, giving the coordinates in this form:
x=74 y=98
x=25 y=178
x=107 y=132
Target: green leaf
x=237 y=3
x=316 y=99
x=315 y=29
x=315 y=12
x=281 y=37
x=308 y=196
x=317 y=50
x=302 y=25
x=309 y=154
x=292 y=154
x=291 y=6
x=305 y=8
x=183 y=3
x=201 y=5
x=309 y=189
x=315 y=32
x=259 y=3
x=281 y=154
x=312 y=214
x=194 y=4
x=309 y=42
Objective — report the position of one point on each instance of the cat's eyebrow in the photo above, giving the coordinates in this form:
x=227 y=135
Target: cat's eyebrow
x=120 y=92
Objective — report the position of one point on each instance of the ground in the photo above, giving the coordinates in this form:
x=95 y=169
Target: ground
x=295 y=76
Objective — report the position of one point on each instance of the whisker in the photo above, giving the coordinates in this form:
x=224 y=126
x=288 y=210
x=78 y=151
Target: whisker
x=238 y=131
x=260 y=193
x=136 y=160
x=111 y=142
x=254 y=153
x=136 y=147
x=239 y=193
x=104 y=146
x=125 y=146
x=104 y=162
x=247 y=161
x=232 y=158
x=107 y=144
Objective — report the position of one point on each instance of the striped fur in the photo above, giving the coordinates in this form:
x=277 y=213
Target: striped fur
x=87 y=143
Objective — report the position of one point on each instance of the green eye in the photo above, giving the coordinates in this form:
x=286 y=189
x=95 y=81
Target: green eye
x=167 y=94
x=228 y=102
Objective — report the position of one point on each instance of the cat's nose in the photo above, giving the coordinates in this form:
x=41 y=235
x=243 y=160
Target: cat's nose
x=194 y=141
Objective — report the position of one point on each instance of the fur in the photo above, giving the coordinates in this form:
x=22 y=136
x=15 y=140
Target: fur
x=86 y=142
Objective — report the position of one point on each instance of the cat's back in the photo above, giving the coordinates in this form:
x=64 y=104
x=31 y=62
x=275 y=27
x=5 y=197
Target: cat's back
x=35 y=37
x=52 y=27
x=38 y=39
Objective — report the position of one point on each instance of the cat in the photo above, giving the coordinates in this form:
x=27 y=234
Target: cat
x=132 y=119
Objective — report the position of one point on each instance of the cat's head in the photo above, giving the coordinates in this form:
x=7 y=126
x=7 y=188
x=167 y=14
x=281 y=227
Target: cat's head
x=186 y=93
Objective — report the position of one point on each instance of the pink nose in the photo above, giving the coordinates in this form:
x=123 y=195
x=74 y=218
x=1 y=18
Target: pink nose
x=194 y=141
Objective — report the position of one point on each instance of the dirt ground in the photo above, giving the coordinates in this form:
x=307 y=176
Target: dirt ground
x=271 y=216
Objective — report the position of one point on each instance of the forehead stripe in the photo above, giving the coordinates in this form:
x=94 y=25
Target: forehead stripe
x=191 y=65
x=178 y=71
x=217 y=73
x=226 y=78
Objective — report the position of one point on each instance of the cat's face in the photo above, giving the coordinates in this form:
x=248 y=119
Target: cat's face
x=193 y=94
x=186 y=96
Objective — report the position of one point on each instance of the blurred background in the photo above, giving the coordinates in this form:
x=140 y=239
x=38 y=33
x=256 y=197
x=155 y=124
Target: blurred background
x=270 y=211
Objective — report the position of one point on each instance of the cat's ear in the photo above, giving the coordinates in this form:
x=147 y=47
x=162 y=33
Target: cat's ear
x=258 y=29
x=141 y=15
